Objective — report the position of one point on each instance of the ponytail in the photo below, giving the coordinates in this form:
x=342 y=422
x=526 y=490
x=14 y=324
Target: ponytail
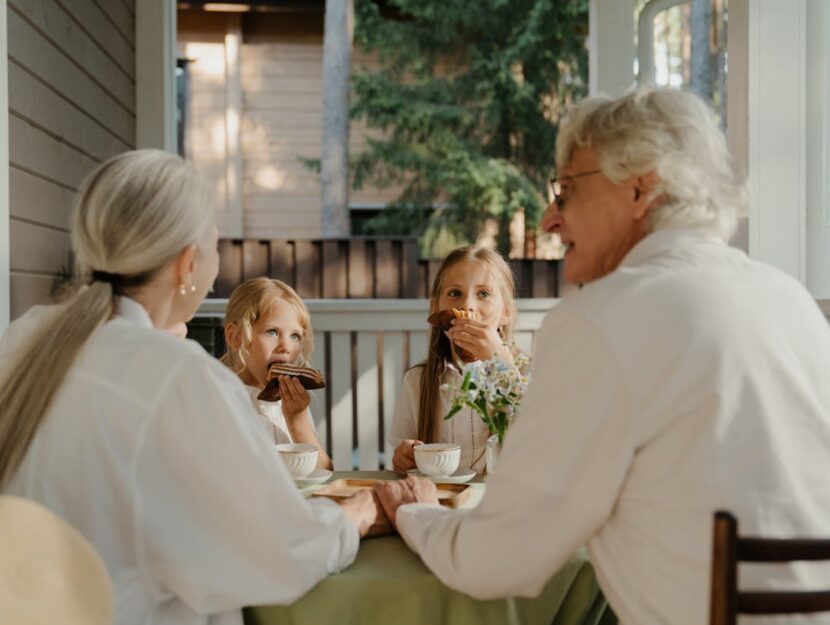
x=41 y=365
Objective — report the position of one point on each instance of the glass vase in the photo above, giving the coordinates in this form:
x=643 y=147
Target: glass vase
x=492 y=453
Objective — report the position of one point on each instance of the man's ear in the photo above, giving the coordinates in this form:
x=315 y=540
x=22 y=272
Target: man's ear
x=185 y=265
x=644 y=187
x=233 y=337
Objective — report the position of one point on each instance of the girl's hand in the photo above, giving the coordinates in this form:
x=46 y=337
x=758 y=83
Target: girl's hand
x=404 y=458
x=295 y=399
x=478 y=338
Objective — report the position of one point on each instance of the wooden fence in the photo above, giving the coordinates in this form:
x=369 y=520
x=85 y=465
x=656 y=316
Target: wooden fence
x=364 y=347
x=356 y=268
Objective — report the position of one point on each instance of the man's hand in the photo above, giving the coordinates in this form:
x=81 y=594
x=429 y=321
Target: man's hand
x=404 y=458
x=413 y=489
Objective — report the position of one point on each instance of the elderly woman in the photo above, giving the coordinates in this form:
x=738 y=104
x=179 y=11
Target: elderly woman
x=682 y=378
x=143 y=442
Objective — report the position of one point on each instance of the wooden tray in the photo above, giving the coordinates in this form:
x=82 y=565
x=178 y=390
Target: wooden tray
x=450 y=495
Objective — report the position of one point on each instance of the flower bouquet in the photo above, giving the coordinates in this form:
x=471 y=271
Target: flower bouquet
x=494 y=389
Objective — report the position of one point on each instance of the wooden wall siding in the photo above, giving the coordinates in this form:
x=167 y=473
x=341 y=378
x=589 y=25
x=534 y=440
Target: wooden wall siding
x=356 y=268
x=281 y=81
x=71 y=106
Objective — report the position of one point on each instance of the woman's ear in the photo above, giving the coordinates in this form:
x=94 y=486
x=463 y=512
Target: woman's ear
x=185 y=265
x=233 y=337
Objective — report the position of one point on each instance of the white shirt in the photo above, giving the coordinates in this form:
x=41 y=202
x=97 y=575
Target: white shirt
x=691 y=379
x=272 y=418
x=152 y=451
x=466 y=428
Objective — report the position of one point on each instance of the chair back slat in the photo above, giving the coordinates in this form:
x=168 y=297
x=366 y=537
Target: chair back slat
x=783 y=602
x=782 y=550
x=728 y=549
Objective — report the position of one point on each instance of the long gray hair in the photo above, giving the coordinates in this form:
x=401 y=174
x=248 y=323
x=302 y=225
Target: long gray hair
x=134 y=214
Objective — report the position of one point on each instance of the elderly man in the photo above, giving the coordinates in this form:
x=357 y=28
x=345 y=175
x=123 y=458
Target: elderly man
x=682 y=378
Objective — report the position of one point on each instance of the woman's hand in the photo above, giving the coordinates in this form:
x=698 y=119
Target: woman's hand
x=404 y=458
x=295 y=398
x=478 y=338
x=392 y=495
x=365 y=511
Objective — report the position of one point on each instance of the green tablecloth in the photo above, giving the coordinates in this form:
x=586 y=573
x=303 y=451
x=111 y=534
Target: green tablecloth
x=388 y=584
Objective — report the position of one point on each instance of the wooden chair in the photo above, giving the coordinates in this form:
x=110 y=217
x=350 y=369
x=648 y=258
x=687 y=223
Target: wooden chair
x=729 y=549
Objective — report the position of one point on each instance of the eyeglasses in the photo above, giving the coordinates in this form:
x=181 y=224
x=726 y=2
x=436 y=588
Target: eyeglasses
x=556 y=187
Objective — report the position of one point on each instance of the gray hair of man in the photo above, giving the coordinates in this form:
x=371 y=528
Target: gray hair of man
x=673 y=133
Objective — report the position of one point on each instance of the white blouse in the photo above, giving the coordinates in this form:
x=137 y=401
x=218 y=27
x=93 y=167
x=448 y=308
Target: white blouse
x=466 y=428
x=689 y=380
x=152 y=451
x=271 y=417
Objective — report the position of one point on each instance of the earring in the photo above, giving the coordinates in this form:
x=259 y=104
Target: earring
x=183 y=290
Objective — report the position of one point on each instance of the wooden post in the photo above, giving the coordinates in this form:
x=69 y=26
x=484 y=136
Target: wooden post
x=235 y=221
x=818 y=149
x=334 y=161
x=155 y=77
x=610 y=46
x=5 y=267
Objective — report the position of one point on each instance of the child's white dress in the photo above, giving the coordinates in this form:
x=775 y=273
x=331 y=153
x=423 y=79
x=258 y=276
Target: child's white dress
x=466 y=428
x=273 y=421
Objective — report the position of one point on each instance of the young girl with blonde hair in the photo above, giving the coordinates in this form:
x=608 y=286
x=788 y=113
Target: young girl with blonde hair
x=266 y=322
x=476 y=279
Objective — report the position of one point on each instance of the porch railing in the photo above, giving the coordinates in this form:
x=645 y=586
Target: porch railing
x=364 y=347
x=357 y=268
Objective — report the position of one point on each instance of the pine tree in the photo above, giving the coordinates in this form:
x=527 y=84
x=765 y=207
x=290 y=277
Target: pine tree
x=468 y=96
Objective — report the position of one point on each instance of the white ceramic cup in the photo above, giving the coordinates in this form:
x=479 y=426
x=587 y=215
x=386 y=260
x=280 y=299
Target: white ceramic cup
x=437 y=459
x=300 y=459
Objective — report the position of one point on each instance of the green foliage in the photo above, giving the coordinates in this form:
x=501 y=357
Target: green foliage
x=468 y=96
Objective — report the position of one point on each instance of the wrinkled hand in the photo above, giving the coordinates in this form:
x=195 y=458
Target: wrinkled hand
x=477 y=337
x=404 y=458
x=365 y=511
x=295 y=398
x=412 y=489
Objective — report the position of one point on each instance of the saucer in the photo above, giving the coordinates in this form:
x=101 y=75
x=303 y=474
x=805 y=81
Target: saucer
x=459 y=477
x=318 y=476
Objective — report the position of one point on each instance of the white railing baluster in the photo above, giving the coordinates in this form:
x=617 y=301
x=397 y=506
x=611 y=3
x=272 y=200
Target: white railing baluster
x=318 y=398
x=340 y=387
x=393 y=364
x=368 y=404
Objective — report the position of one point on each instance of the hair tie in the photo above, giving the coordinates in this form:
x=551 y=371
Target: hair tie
x=114 y=279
